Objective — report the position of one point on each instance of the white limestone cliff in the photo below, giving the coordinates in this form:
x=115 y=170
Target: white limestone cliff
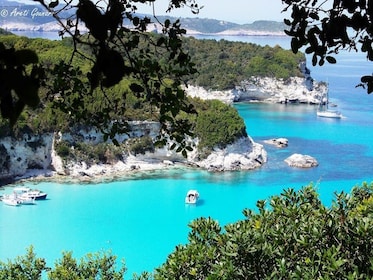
x=244 y=154
x=272 y=90
x=35 y=155
x=20 y=155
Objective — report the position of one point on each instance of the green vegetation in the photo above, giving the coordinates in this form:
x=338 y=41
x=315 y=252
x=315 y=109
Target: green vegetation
x=215 y=125
x=265 y=26
x=224 y=64
x=92 y=266
x=91 y=154
x=219 y=125
x=290 y=236
x=68 y=102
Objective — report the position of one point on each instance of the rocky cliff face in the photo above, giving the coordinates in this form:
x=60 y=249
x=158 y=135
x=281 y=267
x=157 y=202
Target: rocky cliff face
x=264 y=89
x=291 y=90
x=19 y=156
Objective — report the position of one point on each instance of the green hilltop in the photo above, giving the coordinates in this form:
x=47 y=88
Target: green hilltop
x=220 y=64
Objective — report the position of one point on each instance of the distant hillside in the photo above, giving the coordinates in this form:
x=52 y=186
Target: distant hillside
x=265 y=25
x=212 y=26
x=18 y=16
x=204 y=25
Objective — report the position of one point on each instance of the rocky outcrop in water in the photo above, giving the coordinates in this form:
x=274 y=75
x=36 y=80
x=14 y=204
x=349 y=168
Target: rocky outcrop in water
x=278 y=142
x=301 y=161
x=244 y=154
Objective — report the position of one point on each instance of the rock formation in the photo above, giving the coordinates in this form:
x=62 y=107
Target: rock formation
x=301 y=161
x=278 y=142
x=19 y=155
x=244 y=154
x=271 y=90
x=35 y=155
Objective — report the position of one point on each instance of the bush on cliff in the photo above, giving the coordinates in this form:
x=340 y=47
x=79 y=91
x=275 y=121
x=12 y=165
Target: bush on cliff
x=218 y=126
x=224 y=64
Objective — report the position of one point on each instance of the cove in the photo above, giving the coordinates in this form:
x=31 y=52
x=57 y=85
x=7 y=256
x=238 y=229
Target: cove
x=142 y=219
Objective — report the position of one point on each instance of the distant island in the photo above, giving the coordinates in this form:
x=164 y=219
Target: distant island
x=16 y=16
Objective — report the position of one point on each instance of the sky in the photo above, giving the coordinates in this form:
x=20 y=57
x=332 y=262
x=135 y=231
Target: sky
x=237 y=11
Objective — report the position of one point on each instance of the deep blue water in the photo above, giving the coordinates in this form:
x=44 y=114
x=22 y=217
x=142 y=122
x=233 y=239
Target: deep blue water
x=142 y=219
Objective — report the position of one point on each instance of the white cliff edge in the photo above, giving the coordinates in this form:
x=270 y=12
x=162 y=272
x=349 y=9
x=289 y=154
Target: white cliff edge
x=303 y=90
x=35 y=157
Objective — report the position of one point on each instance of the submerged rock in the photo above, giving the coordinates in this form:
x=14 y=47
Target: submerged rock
x=278 y=142
x=301 y=161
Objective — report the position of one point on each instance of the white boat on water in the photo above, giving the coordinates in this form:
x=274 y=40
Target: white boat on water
x=325 y=112
x=26 y=200
x=192 y=197
x=334 y=114
x=15 y=199
x=11 y=200
x=28 y=193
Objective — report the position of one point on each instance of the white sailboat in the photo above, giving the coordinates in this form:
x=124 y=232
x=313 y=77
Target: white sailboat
x=325 y=112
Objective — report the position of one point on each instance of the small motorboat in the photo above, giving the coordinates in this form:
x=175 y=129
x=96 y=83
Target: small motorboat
x=192 y=197
x=11 y=200
x=26 y=192
x=26 y=200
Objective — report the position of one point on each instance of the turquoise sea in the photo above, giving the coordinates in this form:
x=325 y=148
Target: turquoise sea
x=141 y=219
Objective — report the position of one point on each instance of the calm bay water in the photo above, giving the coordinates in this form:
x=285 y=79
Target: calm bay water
x=143 y=219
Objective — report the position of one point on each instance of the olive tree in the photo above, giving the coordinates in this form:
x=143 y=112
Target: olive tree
x=324 y=28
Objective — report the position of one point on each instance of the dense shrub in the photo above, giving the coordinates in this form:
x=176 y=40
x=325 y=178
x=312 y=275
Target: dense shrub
x=218 y=125
x=62 y=149
x=290 y=236
x=224 y=64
